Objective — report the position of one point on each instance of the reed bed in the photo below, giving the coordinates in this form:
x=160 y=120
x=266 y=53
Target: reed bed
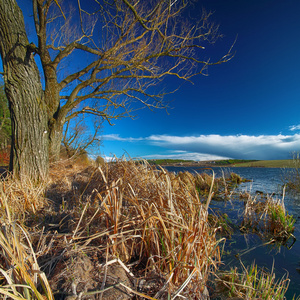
x=221 y=188
x=269 y=217
x=119 y=231
x=124 y=230
x=292 y=179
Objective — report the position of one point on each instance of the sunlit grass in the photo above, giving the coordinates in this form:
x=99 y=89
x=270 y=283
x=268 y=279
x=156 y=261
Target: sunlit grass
x=254 y=283
x=68 y=237
x=125 y=211
x=21 y=277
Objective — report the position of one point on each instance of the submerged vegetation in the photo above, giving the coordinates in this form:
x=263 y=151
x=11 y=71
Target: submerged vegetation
x=124 y=230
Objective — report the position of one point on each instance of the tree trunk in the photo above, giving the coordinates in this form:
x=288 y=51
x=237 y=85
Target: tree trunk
x=55 y=138
x=29 y=149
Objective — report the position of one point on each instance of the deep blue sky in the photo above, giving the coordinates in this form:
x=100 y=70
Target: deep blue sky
x=247 y=108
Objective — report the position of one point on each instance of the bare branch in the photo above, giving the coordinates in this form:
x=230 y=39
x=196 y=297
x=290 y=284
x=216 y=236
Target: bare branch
x=76 y=138
x=35 y=16
x=127 y=49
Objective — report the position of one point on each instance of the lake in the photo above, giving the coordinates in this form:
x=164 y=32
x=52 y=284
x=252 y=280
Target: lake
x=249 y=247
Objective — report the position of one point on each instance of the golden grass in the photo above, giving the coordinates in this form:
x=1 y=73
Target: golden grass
x=22 y=197
x=152 y=222
x=19 y=269
x=122 y=230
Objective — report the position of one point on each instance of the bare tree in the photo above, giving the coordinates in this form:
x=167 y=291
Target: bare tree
x=116 y=53
x=77 y=137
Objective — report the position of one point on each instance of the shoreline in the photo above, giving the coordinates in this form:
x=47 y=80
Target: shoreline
x=288 y=163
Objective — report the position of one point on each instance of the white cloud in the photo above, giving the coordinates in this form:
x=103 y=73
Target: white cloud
x=235 y=146
x=108 y=158
x=185 y=155
x=116 y=137
x=214 y=146
x=294 y=127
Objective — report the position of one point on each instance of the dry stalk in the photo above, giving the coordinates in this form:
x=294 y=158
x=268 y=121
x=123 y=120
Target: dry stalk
x=129 y=211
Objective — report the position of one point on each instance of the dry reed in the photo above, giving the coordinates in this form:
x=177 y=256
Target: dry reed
x=123 y=230
x=152 y=221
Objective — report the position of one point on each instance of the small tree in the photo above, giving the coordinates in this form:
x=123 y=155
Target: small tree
x=115 y=54
x=77 y=137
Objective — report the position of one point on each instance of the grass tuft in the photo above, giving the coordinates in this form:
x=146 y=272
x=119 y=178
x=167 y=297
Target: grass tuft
x=268 y=216
x=253 y=283
x=21 y=277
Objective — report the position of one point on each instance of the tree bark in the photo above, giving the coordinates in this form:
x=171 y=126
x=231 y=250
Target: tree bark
x=29 y=150
x=55 y=138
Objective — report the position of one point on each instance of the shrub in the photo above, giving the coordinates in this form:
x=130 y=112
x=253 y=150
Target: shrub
x=4 y=156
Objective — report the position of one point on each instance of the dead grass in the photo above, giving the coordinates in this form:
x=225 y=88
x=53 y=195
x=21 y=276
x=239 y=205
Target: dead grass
x=21 y=197
x=119 y=231
x=124 y=230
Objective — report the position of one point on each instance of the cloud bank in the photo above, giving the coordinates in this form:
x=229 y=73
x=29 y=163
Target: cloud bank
x=214 y=146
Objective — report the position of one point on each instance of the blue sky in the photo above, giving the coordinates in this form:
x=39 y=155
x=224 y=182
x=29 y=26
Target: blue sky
x=247 y=108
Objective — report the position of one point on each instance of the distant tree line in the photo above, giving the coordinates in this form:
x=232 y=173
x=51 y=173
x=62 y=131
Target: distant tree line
x=168 y=161
x=233 y=161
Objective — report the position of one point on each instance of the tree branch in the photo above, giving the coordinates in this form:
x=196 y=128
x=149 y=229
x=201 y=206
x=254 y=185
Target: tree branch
x=131 y=49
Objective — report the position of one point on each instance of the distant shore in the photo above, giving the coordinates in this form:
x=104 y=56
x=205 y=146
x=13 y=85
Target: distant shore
x=286 y=163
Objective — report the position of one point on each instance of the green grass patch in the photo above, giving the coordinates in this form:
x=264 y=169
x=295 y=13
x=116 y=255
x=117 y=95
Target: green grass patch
x=227 y=162
x=253 y=283
x=284 y=163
